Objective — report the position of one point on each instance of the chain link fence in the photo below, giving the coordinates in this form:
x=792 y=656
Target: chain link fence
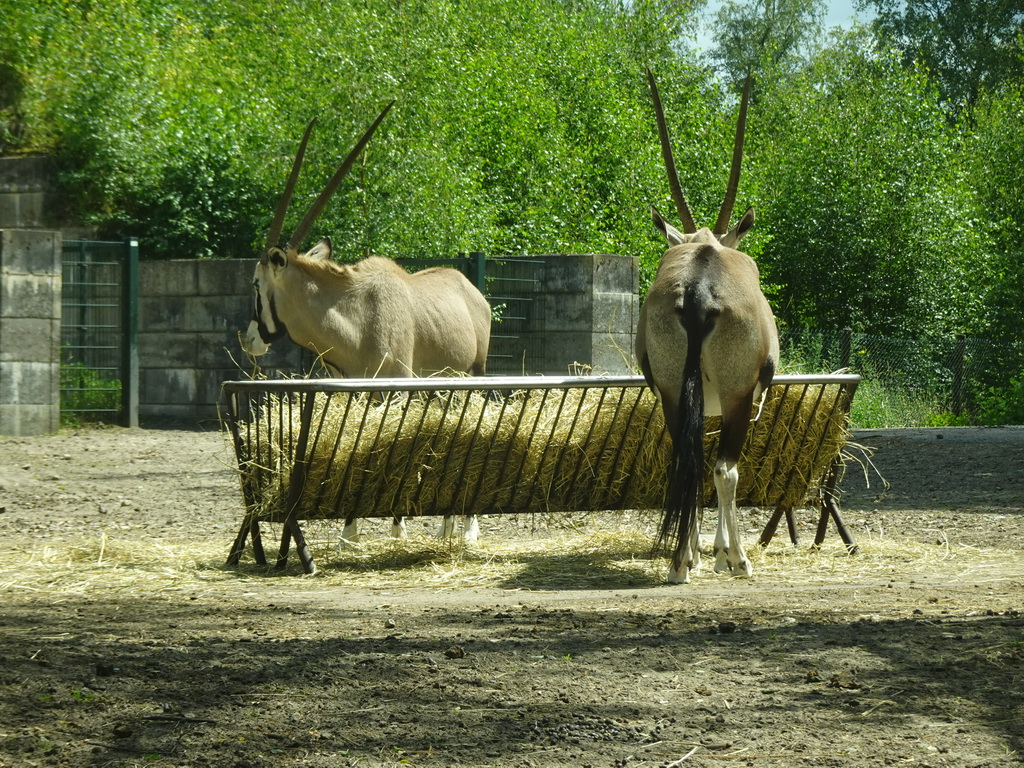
x=955 y=381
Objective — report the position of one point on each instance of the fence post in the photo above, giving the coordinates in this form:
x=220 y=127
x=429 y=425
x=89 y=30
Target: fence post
x=959 y=355
x=478 y=270
x=130 y=341
x=845 y=347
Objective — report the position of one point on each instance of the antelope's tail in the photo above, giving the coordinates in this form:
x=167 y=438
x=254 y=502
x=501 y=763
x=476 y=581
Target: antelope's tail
x=686 y=466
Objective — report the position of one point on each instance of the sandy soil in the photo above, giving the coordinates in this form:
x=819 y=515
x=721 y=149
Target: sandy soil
x=127 y=642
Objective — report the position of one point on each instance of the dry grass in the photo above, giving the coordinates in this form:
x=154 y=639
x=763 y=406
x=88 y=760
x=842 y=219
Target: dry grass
x=595 y=552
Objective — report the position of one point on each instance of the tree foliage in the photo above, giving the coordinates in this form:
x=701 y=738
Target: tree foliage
x=527 y=128
x=870 y=222
x=969 y=46
x=516 y=128
x=764 y=35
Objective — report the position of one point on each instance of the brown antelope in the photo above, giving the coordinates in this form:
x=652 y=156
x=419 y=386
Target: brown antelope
x=707 y=345
x=367 y=319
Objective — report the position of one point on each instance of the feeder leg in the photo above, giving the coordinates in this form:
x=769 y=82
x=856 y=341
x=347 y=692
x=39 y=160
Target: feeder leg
x=305 y=556
x=769 y=530
x=286 y=543
x=293 y=531
x=844 y=532
x=829 y=508
x=791 y=525
x=239 y=546
x=257 y=543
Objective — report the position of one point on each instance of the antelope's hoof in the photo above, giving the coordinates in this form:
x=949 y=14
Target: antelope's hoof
x=679 y=575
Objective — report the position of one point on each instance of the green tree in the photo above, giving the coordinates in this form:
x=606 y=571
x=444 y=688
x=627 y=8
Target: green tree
x=997 y=175
x=967 y=45
x=868 y=217
x=764 y=36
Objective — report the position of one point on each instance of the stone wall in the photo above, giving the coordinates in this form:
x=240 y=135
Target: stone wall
x=590 y=312
x=190 y=312
x=30 y=199
x=30 y=291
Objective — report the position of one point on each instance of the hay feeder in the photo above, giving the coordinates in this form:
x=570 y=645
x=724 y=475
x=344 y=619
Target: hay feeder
x=327 y=449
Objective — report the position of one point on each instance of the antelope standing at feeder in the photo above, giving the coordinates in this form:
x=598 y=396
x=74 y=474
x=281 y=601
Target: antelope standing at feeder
x=707 y=345
x=369 y=319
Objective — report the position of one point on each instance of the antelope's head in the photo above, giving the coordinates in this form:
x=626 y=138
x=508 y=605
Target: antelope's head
x=266 y=325
x=691 y=233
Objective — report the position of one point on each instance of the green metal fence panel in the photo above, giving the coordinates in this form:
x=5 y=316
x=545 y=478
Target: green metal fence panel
x=511 y=285
x=99 y=331
x=921 y=382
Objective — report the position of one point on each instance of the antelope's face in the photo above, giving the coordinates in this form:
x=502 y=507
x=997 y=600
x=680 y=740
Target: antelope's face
x=265 y=326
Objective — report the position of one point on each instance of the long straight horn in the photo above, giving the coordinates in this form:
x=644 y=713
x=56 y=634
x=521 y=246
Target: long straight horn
x=722 y=225
x=282 y=207
x=304 y=226
x=682 y=208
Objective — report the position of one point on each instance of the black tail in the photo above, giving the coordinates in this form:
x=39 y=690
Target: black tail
x=686 y=467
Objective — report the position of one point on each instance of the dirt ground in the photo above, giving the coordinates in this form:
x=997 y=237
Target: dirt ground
x=127 y=642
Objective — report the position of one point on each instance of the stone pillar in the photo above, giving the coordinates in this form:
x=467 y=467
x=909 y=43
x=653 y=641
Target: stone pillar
x=30 y=293
x=590 y=312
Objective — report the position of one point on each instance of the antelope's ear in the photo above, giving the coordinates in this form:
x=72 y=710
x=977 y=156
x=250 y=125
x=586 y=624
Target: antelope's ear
x=734 y=235
x=672 y=235
x=321 y=250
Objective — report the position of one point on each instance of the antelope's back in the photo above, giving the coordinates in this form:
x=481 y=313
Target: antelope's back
x=453 y=322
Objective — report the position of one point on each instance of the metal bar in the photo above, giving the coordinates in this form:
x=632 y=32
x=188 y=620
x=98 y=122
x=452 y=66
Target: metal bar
x=529 y=444
x=300 y=466
x=414 y=447
x=130 y=335
x=502 y=383
x=604 y=444
x=545 y=494
x=487 y=457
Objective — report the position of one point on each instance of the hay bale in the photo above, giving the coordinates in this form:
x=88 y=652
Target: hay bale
x=533 y=451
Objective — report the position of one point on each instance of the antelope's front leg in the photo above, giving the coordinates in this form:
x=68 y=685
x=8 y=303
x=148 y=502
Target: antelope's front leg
x=729 y=554
x=349 y=534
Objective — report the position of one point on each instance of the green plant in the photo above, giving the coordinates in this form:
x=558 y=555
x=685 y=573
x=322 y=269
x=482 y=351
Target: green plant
x=87 y=394
x=1002 y=405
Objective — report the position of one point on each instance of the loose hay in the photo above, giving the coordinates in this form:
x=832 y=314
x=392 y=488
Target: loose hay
x=534 y=451
x=610 y=553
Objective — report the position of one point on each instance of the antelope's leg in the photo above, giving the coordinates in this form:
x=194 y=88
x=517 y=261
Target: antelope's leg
x=729 y=554
x=686 y=558
x=447 y=529
x=470 y=530
x=398 y=529
x=350 y=533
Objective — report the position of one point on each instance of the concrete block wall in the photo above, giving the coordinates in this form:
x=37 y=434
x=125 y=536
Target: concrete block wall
x=190 y=312
x=590 y=312
x=30 y=292
x=30 y=198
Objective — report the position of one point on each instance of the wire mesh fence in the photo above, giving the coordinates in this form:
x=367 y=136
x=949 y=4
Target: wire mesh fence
x=953 y=381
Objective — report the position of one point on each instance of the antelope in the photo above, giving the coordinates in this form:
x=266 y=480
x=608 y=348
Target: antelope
x=707 y=345
x=367 y=319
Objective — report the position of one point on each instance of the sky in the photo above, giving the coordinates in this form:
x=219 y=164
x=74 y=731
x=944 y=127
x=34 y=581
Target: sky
x=839 y=13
